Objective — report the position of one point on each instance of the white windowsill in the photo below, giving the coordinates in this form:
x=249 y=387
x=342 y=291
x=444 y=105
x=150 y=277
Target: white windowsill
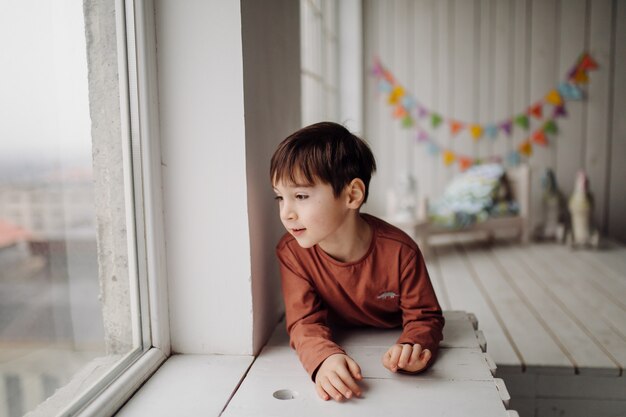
x=189 y=385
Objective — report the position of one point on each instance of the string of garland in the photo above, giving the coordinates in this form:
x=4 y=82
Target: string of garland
x=411 y=112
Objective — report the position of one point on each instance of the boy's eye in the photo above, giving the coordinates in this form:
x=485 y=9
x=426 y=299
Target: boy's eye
x=278 y=198
x=301 y=196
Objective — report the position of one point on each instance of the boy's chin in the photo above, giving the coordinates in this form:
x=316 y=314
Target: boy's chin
x=305 y=243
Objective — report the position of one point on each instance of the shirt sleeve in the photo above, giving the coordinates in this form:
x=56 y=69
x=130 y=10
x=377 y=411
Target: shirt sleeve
x=422 y=319
x=306 y=316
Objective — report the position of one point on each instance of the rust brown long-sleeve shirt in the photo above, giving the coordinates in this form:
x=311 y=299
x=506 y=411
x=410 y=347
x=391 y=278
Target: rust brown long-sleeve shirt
x=388 y=287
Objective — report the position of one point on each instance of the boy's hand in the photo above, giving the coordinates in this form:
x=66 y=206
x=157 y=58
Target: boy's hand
x=406 y=357
x=336 y=376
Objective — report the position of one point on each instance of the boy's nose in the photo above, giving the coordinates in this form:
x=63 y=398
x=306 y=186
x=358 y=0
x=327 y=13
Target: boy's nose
x=287 y=213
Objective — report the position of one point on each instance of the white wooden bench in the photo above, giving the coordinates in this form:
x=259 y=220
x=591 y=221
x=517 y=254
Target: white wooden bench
x=460 y=383
x=423 y=230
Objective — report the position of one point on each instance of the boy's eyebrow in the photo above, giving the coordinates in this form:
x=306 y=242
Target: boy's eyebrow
x=295 y=186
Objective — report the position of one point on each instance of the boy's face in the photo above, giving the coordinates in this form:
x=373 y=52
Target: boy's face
x=311 y=213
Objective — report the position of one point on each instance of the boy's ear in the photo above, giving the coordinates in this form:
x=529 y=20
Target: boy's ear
x=356 y=193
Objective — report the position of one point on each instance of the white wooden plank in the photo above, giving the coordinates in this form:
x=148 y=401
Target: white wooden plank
x=443 y=81
x=598 y=105
x=521 y=66
x=570 y=139
x=617 y=197
x=504 y=394
x=201 y=384
x=502 y=91
x=465 y=81
x=464 y=295
x=611 y=261
x=541 y=353
x=484 y=70
x=438 y=283
x=380 y=397
x=424 y=66
x=451 y=364
x=577 y=307
x=543 y=78
x=585 y=355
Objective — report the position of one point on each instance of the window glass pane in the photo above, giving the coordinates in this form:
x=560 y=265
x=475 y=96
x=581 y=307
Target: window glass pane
x=66 y=288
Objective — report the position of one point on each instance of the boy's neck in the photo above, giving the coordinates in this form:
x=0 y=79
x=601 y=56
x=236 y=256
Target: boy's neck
x=352 y=240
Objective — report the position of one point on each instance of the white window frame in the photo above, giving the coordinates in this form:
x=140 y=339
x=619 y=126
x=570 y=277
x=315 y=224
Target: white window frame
x=136 y=46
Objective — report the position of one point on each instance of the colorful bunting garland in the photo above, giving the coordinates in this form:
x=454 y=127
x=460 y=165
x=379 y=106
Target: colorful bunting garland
x=408 y=109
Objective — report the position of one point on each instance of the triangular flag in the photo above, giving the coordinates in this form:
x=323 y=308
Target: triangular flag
x=526 y=148
x=396 y=94
x=536 y=110
x=550 y=127
x=433 y=149
x=570 y=91
x=464 y=163
x=422 y=136
x=588 y=63
x=377 y=68
x=455 y=127
x=389 y=77
x=408 y=102
x=407 y=121
x=491 y=131
x=448 y=157
x=513 y=158
x=422 y=112
x=540 y=138
x=507 y=127
x=399 y=112
x=581 y=76
x=384 y=86
x=554 y=98
x=478 y=161
x=436 y=120
x=476 y=131
x=560 y=112
x=522 y=121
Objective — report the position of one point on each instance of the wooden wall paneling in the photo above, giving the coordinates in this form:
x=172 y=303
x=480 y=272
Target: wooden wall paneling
x=484 y=68
x=444 y=88
x=423 y=88
x=599 y=107
x=502 y=90
x=521 y=67
x=372 y=97
x=543 y=78
x=569 y=140
x=617 y=196
x=464 y=101
x=400 y=47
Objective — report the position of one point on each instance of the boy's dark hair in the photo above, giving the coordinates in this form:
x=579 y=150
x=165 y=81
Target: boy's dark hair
x=326 y=151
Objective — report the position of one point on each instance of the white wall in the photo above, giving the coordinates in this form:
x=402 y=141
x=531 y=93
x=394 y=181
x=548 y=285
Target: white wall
x=229 y=92
x=200 y=72
x=484 y=60
x=271 y=59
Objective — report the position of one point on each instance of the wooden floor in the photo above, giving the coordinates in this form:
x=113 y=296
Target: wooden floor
x=554 y=320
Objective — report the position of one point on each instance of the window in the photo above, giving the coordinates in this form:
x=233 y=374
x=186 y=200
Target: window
x=78 y=235
x=319 y=60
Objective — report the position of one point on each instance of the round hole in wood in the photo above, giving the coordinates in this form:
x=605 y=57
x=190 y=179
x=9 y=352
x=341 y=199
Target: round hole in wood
x=285 y=394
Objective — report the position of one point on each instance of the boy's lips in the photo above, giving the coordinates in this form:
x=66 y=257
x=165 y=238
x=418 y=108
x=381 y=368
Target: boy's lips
x=297 y=232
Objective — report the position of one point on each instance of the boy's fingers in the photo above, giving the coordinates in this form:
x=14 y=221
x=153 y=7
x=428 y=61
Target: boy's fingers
x=394 y=356
x=321 y=392
x=354 y=368
x=330 y=389
x=347 y=379
x=415 y=356
x=405 y=356
x=426 y=355
x=340 y=386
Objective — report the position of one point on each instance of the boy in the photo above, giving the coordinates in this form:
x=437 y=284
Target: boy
x=340 y=266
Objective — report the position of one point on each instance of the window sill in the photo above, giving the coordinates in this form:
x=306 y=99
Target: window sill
x=187 y=385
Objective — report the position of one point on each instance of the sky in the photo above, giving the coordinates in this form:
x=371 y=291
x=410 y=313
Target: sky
x=44 y=106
